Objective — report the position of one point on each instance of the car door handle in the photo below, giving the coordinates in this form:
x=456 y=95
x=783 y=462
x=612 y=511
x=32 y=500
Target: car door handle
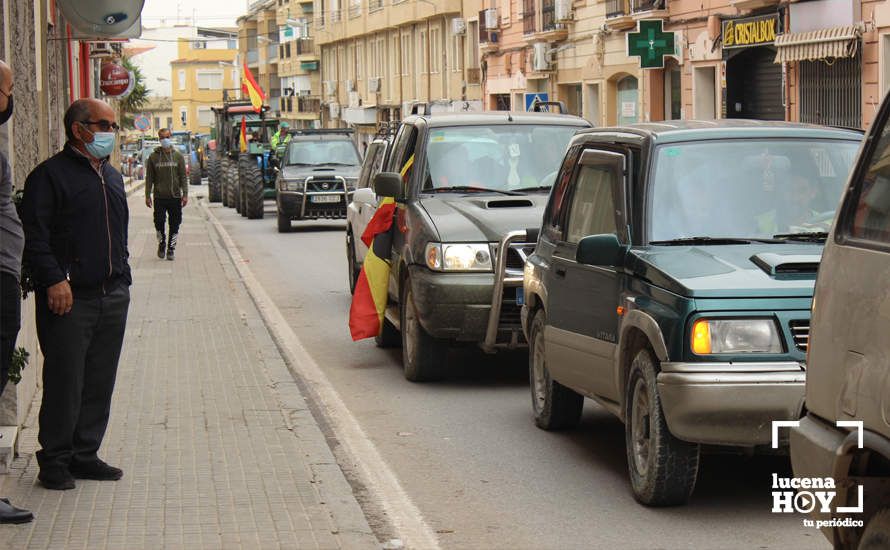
x=560 y=272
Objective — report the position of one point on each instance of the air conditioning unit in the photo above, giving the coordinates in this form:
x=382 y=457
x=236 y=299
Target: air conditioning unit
x=541 y=59
x=330 y=87
x=334 y=110
x=350 y=85
x=103 y=49
x=458 y=25
x=491 y=18
x=374 y=85
x=199 y=45
x=305 y=93
x=563 y=10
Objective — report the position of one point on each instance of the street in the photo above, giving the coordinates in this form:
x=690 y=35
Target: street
x=466 y=451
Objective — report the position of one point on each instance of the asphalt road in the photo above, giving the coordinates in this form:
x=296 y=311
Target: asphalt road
x=466 y=450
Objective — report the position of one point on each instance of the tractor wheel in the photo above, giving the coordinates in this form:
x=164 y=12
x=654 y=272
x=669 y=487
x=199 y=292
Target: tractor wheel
x=195 y=175
x=251 y=187
x=232 y=182
x=213 y=183
x=224 y=182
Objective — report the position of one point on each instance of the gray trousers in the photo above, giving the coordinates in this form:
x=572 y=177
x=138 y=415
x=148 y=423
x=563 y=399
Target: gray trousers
x=81 y=352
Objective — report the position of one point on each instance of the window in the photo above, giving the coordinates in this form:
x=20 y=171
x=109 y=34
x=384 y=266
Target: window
x=435 y=50
x=473 y=46
x=407 y=54
x=359 y=60
x=555 y=213
x=867 y=214
x=169 y=122
x=183 y=115
x=457 y=48
x=205 y=116
x=210 y=80
x=181 y=75
x=592 y=210
x=157 y=125
x=422 y=52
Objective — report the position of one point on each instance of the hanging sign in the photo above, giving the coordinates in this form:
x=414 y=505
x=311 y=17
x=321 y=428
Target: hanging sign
x=650 y=43
x=115 y=80
x=750 y=31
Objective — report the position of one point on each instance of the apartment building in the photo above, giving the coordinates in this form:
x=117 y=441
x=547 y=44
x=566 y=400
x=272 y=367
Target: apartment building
x=204 y=67
x=382 y=58
x=298 y=64
x=258 y=47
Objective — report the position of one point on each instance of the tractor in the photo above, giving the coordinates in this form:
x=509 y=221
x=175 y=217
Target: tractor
x=243 y=179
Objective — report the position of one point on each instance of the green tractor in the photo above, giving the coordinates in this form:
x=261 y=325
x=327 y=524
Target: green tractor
x=244 y=179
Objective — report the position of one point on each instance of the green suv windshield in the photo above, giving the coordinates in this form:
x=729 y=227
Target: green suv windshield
x=308 y=153
x=747 y=189
x=497 y=158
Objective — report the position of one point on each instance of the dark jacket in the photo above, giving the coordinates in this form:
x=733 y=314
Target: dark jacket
x=165 y=176
x=76 y=223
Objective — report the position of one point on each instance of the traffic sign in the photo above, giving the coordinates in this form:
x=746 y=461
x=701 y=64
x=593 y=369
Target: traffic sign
x=142 y=123
x=650 y=43
x=535 y=97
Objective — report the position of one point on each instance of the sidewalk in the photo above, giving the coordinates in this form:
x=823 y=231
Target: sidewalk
x=218 y=446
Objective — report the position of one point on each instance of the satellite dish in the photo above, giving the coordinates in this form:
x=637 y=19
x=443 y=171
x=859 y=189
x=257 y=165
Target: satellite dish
x=103 y=18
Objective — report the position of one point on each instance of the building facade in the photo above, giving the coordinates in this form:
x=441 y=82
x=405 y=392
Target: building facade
x=298 y=65
x=204 y=68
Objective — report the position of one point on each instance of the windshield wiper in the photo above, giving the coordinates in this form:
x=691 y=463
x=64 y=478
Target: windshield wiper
x=471 y=189
x=703 y=240
x=335 y=164
x=533 y=188
x=806 y=236
x=300 y=164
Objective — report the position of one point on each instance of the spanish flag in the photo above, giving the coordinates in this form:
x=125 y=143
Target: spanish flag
x=242 y=140
x=249 y=85
x=369 y=299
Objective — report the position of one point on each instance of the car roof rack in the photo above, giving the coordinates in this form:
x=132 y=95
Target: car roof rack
x=313 y=131
x=544 y=106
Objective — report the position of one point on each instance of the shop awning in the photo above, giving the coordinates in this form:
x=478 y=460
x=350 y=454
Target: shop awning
x=820 y=44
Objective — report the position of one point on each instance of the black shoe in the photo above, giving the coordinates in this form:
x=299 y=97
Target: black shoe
x=57 y=479
x=97 y=469
x=161 y=249
x=11 y=514
x=170 y=254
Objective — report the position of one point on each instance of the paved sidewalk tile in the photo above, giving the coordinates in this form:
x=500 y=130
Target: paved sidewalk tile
x=218 y=446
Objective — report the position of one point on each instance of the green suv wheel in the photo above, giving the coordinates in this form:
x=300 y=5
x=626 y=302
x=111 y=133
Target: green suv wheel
x=423 y=357
x=555 y=406
x=662 y=468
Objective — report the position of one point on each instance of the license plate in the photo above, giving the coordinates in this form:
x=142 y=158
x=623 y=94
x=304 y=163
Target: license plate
x=520 y=296
x=324 y=198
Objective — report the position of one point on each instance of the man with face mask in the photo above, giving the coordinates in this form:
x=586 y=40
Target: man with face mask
x=75 y=216
x=12 y=241
x=166 y=182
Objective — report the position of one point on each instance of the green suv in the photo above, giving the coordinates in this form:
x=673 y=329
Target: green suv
x=672 y=283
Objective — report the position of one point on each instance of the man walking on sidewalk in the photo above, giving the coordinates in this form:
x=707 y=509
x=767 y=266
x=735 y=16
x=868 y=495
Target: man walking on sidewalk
x=165 y=180
x=12 y=241
x=75 y=216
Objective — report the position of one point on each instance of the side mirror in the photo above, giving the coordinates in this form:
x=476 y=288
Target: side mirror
x=388 y=184
x=601 y=250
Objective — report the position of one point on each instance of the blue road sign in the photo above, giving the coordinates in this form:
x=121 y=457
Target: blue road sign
x=142 y=123
x=532 y=98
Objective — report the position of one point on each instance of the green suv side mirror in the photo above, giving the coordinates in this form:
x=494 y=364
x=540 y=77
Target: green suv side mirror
x=601 y=250
x=388 y=184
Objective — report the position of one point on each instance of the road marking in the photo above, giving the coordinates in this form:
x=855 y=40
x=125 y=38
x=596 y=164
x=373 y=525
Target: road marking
x=405 y=517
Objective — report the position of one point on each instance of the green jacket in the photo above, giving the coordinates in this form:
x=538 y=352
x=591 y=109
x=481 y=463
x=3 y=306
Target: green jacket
x=276 y=137
x=165 y=175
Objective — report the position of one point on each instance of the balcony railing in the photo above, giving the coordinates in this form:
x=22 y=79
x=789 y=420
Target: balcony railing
x=272 y=52
x=335 y=15
x=252 y=56
x=374 y=5
x=619 y=8
x=305 y=46
x=548 y=15
x=309 y=104
x=355 y=10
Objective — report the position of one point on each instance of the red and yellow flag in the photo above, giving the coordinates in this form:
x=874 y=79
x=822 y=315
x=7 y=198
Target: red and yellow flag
x=242 y=139
x=253 y=90
x=369 y=299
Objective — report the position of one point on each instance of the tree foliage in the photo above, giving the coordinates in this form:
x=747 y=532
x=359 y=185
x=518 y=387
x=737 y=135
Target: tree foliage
x=136 y=100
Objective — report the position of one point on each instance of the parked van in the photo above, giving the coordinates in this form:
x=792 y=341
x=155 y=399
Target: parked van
x=848 y=363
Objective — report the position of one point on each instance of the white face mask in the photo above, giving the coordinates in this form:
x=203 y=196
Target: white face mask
x=166 y=143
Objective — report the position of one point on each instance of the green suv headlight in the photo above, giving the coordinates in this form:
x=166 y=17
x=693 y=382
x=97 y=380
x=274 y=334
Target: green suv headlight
x=713 y=336
x=458 y=256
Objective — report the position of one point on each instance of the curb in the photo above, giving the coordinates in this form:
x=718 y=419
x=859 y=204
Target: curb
x=135 y=187
x=373 y=472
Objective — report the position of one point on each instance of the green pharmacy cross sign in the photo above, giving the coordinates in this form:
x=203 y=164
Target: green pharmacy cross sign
x=650 y=43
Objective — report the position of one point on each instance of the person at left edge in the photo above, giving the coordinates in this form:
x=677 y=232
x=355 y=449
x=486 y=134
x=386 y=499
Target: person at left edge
x=12 y=241
x=75 y=216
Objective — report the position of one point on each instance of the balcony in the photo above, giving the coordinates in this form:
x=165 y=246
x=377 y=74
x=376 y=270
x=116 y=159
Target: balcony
x=528 y=17
x=374 y=5
x=306 y=47
x=253 y=57
x=551 y=31
x=752 y=4
x=624 y=14
x=335 y=16
x=272 y=53
x=355 y=10
x=309 y=104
